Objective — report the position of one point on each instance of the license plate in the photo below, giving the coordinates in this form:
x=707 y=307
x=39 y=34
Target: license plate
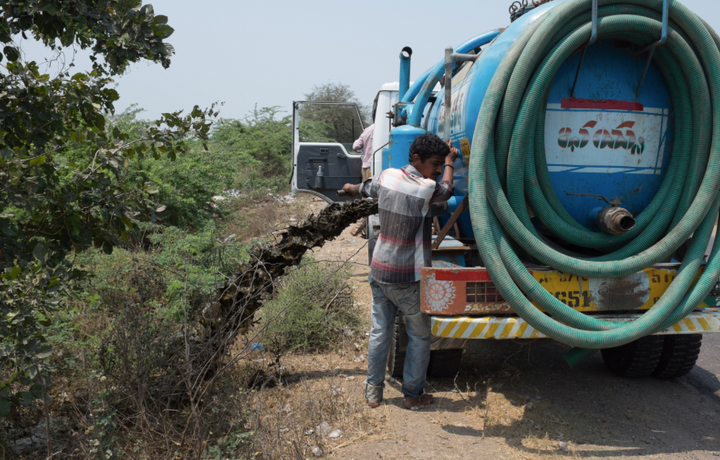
x=637 y=291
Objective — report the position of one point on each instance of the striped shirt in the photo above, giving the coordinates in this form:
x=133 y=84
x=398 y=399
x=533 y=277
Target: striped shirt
x=406 y=204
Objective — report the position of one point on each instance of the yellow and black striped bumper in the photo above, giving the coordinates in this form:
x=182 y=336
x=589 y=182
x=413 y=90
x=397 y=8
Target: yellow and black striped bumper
x=500 y=328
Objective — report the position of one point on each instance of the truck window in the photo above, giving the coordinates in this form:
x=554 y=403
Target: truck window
x=336 y=123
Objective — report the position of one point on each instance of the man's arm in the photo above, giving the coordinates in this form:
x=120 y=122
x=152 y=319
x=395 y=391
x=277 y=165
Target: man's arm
x=352 y=189
x=367 y=189
x=444 y=188
x=449 y=168
x=358 y=144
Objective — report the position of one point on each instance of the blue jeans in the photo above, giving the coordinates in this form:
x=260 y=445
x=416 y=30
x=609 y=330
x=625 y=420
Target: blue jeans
x=387 y=298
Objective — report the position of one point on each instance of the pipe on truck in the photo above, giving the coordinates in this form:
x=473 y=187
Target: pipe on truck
x=686 y=203
x=508 y=175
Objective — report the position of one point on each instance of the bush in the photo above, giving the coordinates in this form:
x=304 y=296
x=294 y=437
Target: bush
x=262 y=136
x=126 y=336
x=250 y=155
x=312 y=310
x=186 y=268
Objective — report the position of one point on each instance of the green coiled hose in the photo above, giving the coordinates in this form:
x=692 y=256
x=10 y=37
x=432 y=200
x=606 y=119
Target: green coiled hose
x=508 y=172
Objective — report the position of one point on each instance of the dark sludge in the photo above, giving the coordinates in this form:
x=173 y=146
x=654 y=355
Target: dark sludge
x=243 y=294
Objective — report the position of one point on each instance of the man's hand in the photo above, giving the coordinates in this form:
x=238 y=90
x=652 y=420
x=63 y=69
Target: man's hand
x=450 y=158
x=449 y=168
x=352 y=189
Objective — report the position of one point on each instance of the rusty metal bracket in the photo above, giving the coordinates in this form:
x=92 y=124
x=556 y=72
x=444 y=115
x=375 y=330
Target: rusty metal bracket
x=453 y=219
x=450 y=59
x=615 y=202
x=653 y=46
x=593 y=39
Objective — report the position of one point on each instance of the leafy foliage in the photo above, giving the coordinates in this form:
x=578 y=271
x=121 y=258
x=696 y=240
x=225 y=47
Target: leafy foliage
x=312 y=310
x=250 y=155
x=129 y=320
x=63 y=168
x=338 y=92
x=263 y=137
x=183 y=269
x=122 y=31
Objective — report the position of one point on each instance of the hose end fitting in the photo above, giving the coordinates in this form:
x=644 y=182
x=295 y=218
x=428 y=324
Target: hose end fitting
x=615 y=220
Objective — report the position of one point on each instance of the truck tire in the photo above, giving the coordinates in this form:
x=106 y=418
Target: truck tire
x=372 y=231
x=680 y=352
x=398 y=345
x=635 y=359
x=444 y=363
x=371 y=249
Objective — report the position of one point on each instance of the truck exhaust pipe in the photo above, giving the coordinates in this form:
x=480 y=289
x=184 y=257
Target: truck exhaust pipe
x=404 y=72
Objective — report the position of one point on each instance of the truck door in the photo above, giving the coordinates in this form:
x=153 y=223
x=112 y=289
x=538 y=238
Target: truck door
x=323 y=159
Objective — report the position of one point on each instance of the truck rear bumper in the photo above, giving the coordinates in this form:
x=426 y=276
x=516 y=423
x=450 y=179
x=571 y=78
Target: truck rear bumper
x=513 y=327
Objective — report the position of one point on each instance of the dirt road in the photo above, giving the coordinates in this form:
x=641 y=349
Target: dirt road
x=516 y=399
x=525 y=402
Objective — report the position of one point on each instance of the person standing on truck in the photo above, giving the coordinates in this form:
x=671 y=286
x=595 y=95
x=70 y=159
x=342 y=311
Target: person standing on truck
x=408 y=198
x=364 y=143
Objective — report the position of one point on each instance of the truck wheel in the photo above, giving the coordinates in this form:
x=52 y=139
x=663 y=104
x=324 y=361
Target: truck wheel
x=398 y=345
x=444 y=363
x=635 y=359
x=372 y=230
x=371 y=248
x=680 y=352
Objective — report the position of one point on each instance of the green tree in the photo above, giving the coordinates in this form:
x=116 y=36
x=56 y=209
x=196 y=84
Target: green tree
x=64 y=182
x=261 y=135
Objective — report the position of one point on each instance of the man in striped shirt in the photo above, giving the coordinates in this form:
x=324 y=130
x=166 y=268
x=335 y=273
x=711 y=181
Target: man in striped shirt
x=408 y=198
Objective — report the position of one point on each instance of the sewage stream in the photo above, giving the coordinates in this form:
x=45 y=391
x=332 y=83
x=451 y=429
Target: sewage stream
x=255 y=281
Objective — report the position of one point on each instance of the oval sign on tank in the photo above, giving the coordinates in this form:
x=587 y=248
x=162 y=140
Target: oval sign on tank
x=606 y=95
x=605 y=141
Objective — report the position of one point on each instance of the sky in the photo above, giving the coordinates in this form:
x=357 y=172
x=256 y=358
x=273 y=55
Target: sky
x=271 y=52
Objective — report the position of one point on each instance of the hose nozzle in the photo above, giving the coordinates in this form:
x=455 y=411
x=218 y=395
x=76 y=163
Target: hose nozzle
x=615 y=220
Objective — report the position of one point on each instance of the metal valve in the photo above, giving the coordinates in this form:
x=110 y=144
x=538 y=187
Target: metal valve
x=612 y=219
x=615 y=220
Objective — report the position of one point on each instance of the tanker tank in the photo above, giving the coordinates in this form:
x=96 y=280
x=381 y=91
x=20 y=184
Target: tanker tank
x=588 y=148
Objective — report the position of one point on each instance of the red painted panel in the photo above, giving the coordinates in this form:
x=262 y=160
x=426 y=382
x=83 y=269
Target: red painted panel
x=443 y=292
x=462 y=275
x=601 y=105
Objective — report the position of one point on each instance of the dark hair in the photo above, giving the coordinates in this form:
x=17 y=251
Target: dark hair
x=427 y=145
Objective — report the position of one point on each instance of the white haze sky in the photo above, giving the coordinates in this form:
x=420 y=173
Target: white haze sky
x=271 y=52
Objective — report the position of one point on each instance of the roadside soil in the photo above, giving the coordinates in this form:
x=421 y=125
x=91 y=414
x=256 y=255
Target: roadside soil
x=516 y=399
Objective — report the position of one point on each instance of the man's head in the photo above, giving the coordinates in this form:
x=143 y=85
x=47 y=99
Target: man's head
x=427 y=155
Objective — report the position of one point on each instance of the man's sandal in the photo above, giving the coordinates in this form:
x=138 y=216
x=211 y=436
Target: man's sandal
x=416 y=403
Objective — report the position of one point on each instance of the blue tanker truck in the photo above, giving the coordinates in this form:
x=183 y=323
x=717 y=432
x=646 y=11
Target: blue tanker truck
x=586 y=194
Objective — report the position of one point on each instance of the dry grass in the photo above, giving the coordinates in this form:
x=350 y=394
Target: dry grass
x=287 y=417
x=255 y=408
x=256 y=219
x=526 y=424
